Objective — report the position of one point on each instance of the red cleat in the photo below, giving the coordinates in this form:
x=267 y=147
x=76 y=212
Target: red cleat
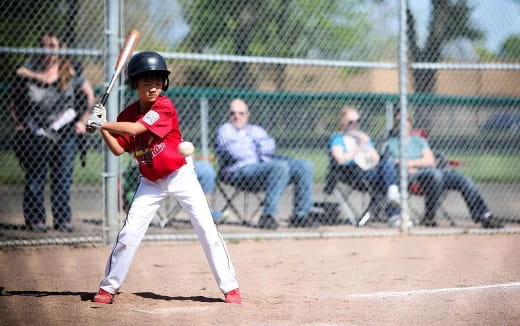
x=105 y=297
x=233 y=296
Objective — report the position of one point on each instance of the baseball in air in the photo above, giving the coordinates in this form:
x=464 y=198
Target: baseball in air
x=186 y=148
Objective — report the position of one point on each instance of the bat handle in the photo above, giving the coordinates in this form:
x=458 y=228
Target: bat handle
x=104 y=99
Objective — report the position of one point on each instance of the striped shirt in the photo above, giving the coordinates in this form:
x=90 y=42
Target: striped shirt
x=237 y=148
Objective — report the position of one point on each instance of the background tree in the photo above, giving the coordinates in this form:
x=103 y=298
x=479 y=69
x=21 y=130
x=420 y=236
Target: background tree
x=450 y=19
x=510 y=48
x=292 y=28
x=24 y=22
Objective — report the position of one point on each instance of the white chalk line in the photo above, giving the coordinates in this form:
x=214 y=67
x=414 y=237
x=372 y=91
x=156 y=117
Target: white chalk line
x=431 y=291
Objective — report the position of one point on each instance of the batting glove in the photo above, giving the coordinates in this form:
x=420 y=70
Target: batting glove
x=97 y=118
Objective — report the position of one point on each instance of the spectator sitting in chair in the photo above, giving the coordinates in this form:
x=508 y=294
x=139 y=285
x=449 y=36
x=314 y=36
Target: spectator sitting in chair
x=246 y=156
x=435 y=179
x=356 y=161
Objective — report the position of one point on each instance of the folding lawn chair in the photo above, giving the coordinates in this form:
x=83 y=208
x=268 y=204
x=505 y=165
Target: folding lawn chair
x=249 y=197
x=343 y=183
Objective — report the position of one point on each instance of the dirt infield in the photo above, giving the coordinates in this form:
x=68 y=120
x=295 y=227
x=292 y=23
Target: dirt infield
x=405 y=280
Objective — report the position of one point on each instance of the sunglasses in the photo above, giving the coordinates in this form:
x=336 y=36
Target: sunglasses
x=240 y=113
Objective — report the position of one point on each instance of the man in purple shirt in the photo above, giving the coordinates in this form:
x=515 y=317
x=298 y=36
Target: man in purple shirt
x=246 y=159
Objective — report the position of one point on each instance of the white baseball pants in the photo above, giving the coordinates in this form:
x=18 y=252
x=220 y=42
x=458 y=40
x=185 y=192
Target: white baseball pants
x=184 y=186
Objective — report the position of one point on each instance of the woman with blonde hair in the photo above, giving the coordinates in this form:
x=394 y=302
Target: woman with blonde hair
x=355 y=161
x=47 y=120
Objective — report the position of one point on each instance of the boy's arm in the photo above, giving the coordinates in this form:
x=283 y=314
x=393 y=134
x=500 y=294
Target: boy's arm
x=124 y=128
x=98 y=121
x=119 y=128
x=112 y=143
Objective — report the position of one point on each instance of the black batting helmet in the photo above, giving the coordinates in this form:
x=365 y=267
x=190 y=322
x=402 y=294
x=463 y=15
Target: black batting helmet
x=146 y=62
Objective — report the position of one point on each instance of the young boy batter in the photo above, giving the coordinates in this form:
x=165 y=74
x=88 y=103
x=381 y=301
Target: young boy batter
x=149 y=128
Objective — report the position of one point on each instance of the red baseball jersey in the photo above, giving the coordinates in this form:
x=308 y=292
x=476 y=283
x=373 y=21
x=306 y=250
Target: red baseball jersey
x=156 y=150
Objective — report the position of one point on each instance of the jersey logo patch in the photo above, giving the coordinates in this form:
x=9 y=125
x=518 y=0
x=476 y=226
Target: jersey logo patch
x=151 y=117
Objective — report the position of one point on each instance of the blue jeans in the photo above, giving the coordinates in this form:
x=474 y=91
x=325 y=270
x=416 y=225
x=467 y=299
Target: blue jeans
x=37 y=156
x=380 y=178
x=436 y=181
x=206 y=175
x=376 y=181
x=273 y=176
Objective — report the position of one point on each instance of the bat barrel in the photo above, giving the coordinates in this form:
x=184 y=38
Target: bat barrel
x=124 y=54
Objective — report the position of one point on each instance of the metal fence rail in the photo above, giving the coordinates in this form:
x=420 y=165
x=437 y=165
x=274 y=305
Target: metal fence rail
x=296 y=75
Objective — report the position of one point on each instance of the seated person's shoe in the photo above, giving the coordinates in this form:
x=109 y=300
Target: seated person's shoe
x=218 y=217
x=430 y=222
x=394 y=221
x=103 y=296
x=393 y=196
x=38 y=227
x=490 y=222
x=267 y=222
x=64 y=227
x=233 y=296
x=303 y=222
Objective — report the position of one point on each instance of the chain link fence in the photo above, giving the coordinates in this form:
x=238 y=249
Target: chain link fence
x=296 y=64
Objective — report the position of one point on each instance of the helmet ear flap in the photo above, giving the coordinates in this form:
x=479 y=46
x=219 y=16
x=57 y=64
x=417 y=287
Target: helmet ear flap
x=131 y=83
x=166 y=83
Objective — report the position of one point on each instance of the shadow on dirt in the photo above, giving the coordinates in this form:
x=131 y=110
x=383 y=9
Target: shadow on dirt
x=198 y=298
x=85 y=296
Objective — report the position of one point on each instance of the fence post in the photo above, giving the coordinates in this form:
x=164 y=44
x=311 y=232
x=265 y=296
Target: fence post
x=204 y=127
x=403 y=93
x=389 y=117
x=110 y=174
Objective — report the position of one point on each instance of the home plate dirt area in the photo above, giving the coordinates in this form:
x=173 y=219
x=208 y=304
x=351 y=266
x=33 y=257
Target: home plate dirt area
x=394 y=280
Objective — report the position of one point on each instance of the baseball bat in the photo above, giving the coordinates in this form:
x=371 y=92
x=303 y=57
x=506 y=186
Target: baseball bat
x=126 y=51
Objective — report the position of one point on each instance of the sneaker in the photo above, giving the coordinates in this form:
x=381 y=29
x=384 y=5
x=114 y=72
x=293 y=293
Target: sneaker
x=394 y=221
x=233 y=296
x=103 y=296
x=393 y=194
x=64 y=227
x=38 y=227
x=267 y=222
x=303 y=222
x=218 y=217
x=430 y=222
x=490 y=222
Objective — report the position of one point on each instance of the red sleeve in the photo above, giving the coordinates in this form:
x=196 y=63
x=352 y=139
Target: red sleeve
x=125 y=142
x=128 y=115
x=161 y=118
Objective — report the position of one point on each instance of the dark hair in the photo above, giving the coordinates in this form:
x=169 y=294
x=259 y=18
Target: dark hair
x=51 y=34
x=149 y=74
x=394 y=132
x=66 y=69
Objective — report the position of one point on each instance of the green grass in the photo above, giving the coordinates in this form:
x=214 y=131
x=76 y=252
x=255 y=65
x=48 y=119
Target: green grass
x=480 y=167
x=91 y=173
x=490 y=167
